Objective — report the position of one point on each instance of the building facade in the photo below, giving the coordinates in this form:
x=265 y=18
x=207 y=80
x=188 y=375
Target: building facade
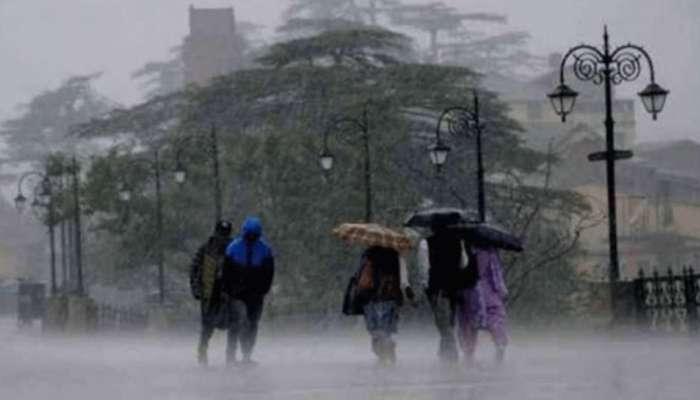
x=530 y=106
x=213 y=47
x=658 y=190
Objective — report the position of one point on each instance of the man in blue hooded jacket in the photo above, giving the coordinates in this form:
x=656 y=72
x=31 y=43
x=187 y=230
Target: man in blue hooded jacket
x=247 y=276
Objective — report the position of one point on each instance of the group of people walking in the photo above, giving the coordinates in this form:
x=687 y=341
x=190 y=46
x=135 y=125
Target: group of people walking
x=230 y=278
x=462 y=281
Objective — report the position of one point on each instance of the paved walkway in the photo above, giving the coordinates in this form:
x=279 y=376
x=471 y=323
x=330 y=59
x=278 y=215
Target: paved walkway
x=107 y=367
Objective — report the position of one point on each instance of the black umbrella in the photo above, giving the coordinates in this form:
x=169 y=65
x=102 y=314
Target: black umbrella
x=438 y=216
x=488 y=235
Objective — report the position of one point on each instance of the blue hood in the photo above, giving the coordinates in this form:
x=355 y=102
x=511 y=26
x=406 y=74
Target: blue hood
x=249 y=253
x=251 y=226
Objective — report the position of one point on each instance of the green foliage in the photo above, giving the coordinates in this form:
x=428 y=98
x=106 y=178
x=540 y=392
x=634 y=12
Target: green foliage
x=501 y=54
x=365 y=47
x=313 y=26
x=270 y=123
x=437 y=17
x=160 y=78
x=44 y=124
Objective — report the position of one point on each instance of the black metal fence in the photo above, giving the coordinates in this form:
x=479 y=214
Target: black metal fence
x=116 y=318
x=668 y=302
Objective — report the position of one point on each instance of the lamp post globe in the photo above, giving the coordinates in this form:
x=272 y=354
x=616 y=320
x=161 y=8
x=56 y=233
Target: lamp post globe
x=20 y=203
x=563 y=99
x=180 y=173
x=438 y=154
x=326 y=160
x=125 y=194
x=654 y=98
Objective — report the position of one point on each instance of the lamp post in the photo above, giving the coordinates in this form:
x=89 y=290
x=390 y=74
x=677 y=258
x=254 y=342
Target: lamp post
x=44 y=199
x=125 y=196
x=78 y=227
x=213 y=149
x=326 y=159
x=461 y=121
x=608 y=67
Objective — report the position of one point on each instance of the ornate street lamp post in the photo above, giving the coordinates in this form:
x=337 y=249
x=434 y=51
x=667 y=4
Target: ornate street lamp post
x=125 y=196
x=326 y=159
x=44 y=198
x=213 y=150
x=608 y=67
x=462 y=121
x=78 y=226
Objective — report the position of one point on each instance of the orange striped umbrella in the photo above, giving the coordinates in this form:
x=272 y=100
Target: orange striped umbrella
x=374 y=235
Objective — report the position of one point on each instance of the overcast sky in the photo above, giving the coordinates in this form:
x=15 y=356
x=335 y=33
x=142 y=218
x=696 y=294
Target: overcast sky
x=42 y=42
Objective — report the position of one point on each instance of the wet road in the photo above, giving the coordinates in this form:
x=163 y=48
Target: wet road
x=340 y=366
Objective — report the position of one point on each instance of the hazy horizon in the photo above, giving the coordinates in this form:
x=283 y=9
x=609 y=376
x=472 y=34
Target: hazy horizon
x=45 y=44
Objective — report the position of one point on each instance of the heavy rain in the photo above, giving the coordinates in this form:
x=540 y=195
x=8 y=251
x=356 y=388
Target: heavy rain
x=349 y=199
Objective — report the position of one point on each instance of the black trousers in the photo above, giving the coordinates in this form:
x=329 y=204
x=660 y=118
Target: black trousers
x=243 y=328
x=242 y=318
x=444 y=309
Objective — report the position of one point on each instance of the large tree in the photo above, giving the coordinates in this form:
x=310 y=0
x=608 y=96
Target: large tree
x=437 y=17
x=159 y=78
x=270 y=122
x=44 y=122
x=502 y=54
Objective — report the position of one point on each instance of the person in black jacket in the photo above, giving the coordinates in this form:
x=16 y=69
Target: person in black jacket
x=205 y=283
x=445 y=258
x=247 y=277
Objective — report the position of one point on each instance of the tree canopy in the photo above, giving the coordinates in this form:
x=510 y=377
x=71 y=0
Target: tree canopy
x=44 y=124
x=270 y=122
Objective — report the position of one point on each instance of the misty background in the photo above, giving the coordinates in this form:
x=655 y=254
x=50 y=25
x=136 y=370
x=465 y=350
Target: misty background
x=557 y=304
x=43 y=42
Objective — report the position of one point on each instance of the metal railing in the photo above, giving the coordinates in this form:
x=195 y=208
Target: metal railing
x=121 y=319
x=668 y=302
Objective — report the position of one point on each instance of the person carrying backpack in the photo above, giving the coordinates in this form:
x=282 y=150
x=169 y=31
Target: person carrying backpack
x=381 y=284
x=446 y=272
x=205 y=284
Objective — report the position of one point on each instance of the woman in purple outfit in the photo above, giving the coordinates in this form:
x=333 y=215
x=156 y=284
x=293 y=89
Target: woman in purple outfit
x=483 y=306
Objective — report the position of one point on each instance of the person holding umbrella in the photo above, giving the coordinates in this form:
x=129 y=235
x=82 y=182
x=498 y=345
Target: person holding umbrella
x=381 y=283
x=484 y=305
x=449 y=271
x=446 y=271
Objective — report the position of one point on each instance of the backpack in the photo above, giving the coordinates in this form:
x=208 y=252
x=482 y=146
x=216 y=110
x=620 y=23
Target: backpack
x=210 y=274
x=356 y=293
